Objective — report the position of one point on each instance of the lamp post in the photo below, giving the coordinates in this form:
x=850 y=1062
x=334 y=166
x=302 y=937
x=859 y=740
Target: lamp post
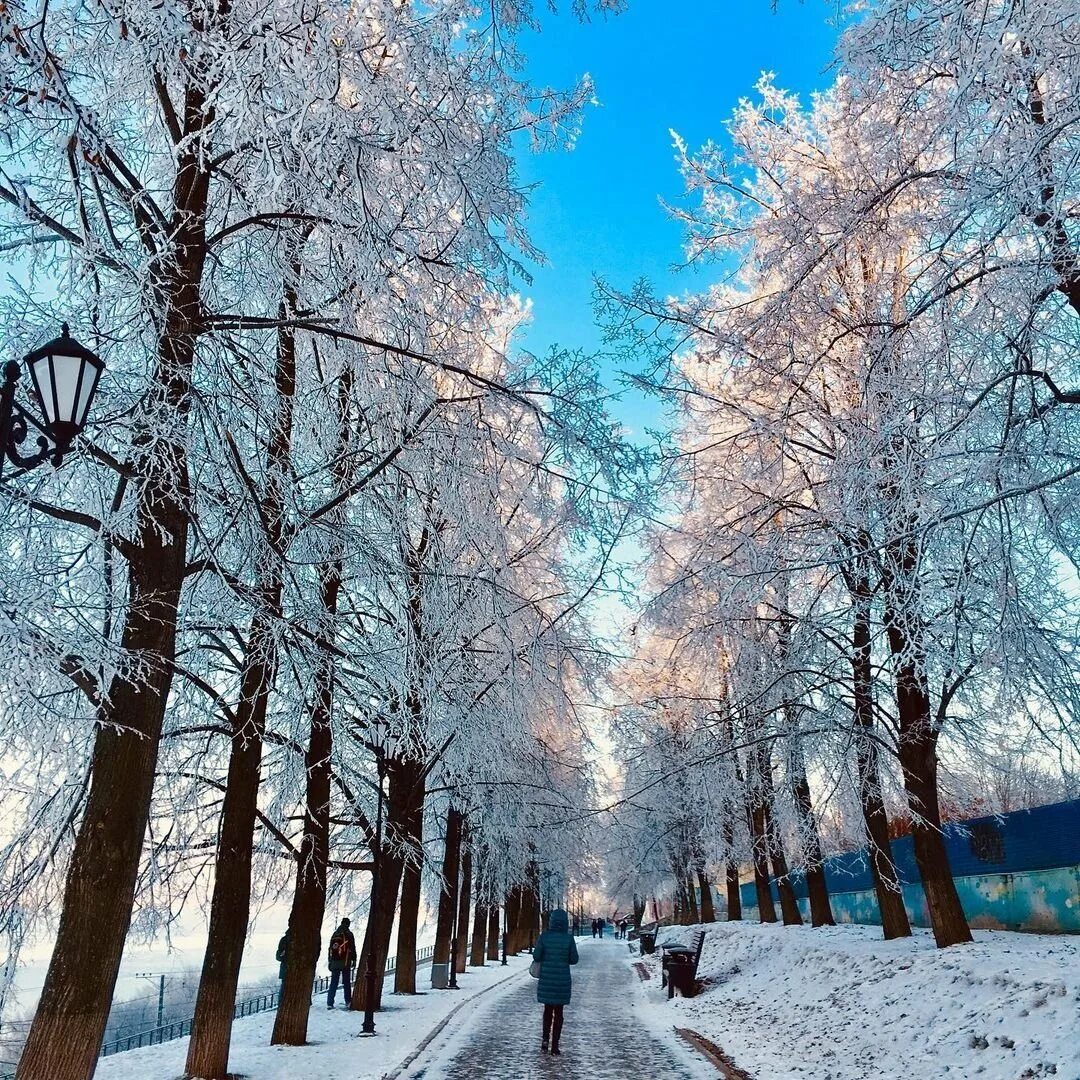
x=452 y=983
x=65 y=377
x=367 y=1029
x=160 y=976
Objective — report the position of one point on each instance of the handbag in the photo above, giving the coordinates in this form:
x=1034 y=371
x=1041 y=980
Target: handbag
x=534 y=969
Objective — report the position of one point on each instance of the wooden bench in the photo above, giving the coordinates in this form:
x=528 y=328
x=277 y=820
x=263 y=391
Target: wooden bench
x=680 y=965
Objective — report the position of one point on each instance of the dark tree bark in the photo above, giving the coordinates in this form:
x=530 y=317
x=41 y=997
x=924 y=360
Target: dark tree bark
x=493 y=932
x=480 y=921
x=813 y=859
x=461 y=926
x=211 y=1028
x=789 y=906
x=405 y=787
x=309 y=897
x=409 y=913
x=512 y=911
x=890 y=898
x=444 y=927
x=756 y=821
x=691 y=902
x=313 y=857
x=734 y=895
x=639 y=912
x=917 y=745
x=708 y=911
x=68 y=1026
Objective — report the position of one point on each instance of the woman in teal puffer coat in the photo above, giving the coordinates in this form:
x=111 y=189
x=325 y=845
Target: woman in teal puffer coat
x=555 y=952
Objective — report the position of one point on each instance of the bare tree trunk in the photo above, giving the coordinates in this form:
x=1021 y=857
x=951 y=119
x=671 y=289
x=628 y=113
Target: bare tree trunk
x=639 y=912
x=789 y=906
x=766 y=908
x=756 y=820
x=461 y=935
x=409 y=913
x=890 y=898
x=708 y=912
x=313 y=858
x=211 y=1028
x=309 y=897
x=512 y=913
x=917 y=747
x=405 y=788
x=444 y=927
x=408 y=918
x=734 y=894
x=493 y=932
x=691 y=901
x=813 y=860
x=68 y=1026
x=480 y=925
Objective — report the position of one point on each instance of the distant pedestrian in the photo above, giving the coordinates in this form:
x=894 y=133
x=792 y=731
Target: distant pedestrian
x=600 y=928
x=281 y=954
x=594 y=928
x=622 y=929
x=341 y=958
x=555 y=952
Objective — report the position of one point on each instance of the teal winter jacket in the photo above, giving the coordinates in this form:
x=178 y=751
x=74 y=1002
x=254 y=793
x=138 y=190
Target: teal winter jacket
x=556 y=950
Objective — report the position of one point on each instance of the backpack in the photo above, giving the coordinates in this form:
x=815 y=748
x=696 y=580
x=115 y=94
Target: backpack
x=339 y=947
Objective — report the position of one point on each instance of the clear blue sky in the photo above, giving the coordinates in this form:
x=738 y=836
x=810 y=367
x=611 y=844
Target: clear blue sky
x=663 y=64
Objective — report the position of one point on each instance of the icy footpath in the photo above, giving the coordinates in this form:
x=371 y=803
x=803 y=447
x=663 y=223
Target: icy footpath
x=334 y=1051
x=839 y=1003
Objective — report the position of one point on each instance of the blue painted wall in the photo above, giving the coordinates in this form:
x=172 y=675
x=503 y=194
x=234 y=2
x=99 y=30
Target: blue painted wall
x=1019 y=871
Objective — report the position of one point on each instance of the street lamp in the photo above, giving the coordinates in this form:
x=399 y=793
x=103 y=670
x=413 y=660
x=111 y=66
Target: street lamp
x=367 y=1029
x=65 y=377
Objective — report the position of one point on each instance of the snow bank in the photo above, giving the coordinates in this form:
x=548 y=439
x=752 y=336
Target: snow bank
x=335 y=1052
x=839 y=1003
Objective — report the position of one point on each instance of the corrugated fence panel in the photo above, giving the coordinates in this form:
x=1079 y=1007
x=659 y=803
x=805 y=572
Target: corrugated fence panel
x=1017 y=870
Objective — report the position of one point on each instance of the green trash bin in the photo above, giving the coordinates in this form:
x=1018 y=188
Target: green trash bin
x=647 y=942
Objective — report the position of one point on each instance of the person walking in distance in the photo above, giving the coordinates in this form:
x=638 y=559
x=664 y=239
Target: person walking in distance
x=594 y=928
x=341 y=958
x=281 y=954
x=600 y=927
x=555 y=952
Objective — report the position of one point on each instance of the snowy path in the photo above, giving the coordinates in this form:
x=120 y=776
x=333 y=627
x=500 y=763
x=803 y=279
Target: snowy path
x=608 y=1033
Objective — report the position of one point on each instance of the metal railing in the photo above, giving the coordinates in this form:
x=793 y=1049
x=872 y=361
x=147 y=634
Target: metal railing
x=178 y=1029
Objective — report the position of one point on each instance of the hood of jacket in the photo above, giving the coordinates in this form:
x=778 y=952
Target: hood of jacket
x=559 y=921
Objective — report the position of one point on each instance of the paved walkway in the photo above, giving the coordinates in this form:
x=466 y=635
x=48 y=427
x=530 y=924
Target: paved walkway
x=604 y=1037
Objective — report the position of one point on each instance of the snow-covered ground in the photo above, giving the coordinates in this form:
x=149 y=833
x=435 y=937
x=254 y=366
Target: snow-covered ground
x=839 y=1003
x=335 y=1050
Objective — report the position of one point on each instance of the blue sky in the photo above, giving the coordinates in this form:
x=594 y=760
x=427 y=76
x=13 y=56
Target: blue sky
x=661 y=65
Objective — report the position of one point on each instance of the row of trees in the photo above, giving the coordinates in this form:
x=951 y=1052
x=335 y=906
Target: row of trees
x=872 y=569
x=299 y=617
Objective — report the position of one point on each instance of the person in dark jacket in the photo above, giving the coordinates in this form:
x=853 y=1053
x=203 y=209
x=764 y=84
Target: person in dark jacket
x=556 y=951
x=341 y=958
x=594 y=928
x=600 y=927
x=282 y=953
